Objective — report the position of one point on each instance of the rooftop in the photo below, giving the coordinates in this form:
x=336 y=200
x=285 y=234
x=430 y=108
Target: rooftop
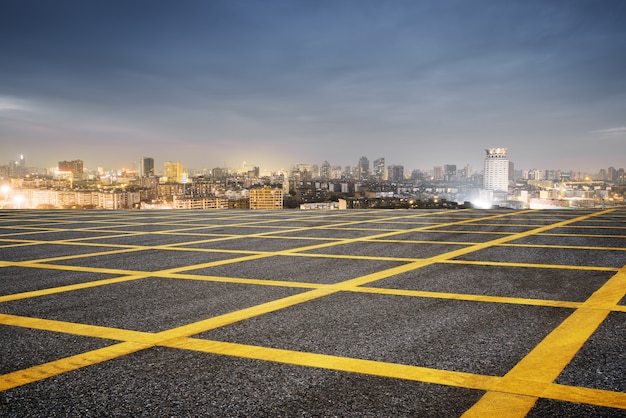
x=313 y=313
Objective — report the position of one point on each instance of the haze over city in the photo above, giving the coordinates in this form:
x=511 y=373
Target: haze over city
x=273 y=83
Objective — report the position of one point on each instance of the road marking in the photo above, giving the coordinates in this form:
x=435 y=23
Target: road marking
x=539 y=368
x=512 y=395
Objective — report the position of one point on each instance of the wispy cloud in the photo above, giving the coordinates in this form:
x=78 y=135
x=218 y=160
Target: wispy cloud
x=611 y=131
x=7 y=103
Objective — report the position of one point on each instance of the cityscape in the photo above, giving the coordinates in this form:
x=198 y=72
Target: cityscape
x=367 y=184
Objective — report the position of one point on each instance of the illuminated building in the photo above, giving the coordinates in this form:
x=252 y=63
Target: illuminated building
x=379 y=169
x=75 y=167
x=266 y=198
x=191 y=202
x=496 y=174
x=173 y=171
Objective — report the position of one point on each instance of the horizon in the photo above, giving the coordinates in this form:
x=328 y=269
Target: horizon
x=266 y=171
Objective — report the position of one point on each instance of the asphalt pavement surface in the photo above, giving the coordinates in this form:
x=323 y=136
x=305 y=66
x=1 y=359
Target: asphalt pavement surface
x=375 y=313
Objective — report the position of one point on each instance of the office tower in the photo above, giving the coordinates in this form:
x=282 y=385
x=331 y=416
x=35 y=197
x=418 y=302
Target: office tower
x=496 y=173
x=438 y=173
x=449 y=171
x=146 y=167
x=395 y=173
x=612 y=174
x=75 y=166
x=23 y=171
x=173 y=171
x=379 y=169
x=363 y=169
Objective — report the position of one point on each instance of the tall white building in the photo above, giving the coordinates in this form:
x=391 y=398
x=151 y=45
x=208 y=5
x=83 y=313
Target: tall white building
x=496 y=174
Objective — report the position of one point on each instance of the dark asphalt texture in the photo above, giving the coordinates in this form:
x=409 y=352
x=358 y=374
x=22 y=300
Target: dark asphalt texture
x=239 y=313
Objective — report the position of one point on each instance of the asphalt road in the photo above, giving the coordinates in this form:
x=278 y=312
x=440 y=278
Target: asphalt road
x=233 y=313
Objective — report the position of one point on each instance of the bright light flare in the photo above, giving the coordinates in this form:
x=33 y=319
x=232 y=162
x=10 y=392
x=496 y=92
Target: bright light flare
x=482 y=204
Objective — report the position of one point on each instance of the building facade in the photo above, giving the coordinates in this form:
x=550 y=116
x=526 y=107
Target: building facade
x=74 y=166
x=173 y=171
x=146 y=167
x=496 y=170
x=266 y=198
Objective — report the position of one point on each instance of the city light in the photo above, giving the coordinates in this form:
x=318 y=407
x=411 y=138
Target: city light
x=18 y=201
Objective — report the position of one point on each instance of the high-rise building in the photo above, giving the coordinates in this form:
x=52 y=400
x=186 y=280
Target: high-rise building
x=449 y=172
x=438 y=173
x=146 y=167
x=325 y=170
x=75 y=166
x=395 y=173
x=379 y=169
x=363 y=169
x=496 y=172
x=173 y=171
x=612 y=174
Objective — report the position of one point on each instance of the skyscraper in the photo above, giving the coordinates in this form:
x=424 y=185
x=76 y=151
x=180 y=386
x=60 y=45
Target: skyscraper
x=379 y=169
x=363 y=169
x=496 y=174
x=395 y=173
x=146 y=167
x=449 y=172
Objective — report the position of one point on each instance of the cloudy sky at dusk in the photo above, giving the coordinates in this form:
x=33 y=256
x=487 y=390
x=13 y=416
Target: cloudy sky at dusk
x=279 y=82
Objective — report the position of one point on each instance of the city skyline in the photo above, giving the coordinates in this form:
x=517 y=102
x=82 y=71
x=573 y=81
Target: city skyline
x=276 y=83
x=160 y=168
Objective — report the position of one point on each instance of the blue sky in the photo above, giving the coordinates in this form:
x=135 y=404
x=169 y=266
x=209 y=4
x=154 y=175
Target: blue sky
x=273 y=83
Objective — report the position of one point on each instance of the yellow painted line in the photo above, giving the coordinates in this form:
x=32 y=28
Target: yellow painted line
x=13 y=245
x=539 y=368
x=498 y=405
x=69 y=288
x=213 y=263
x=240 y=315
x=566 y=247
x=242 y=280
x=502 y=240
x=552 y=234
x=610 y=294
x=468 y=297
x=347 y=285
x=404 y=241
x=589 y=396
x=86 y=269
x=383 y=274
x=515 y=401
x=345 y=364
x=596 y=226
x=346 y=256
x=179 y=333
x=68 y=364
x=526 y=265
x=83 y=330
x=86 y=255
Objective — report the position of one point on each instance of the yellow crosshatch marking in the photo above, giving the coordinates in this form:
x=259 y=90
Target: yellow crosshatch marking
x=513 y=394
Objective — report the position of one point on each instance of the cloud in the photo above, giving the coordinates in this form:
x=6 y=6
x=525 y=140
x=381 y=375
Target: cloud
x=611 y=131
x=8 y=103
